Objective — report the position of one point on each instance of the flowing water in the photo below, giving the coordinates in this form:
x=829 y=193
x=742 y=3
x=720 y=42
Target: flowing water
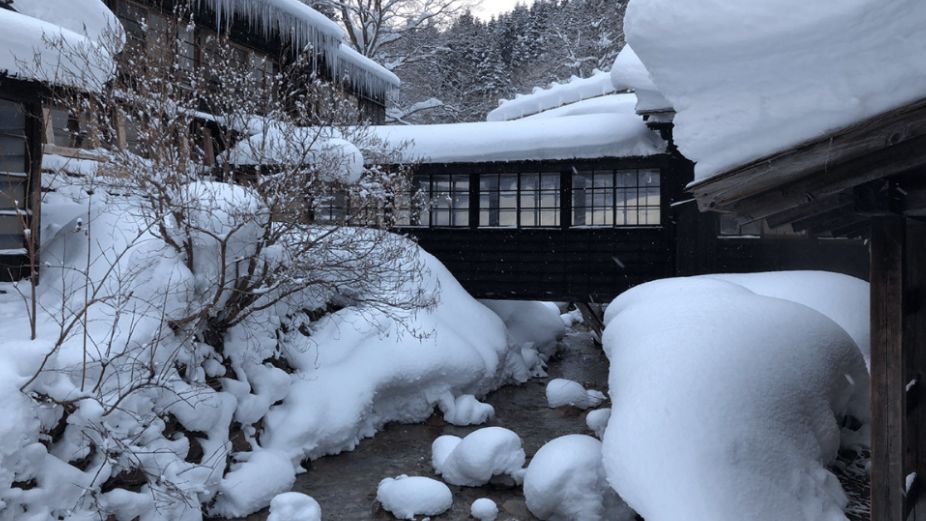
x=345 y=485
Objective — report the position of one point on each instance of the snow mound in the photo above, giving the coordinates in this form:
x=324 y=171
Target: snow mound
x=562 y=392
x=474 y=460
x=769 y=75
x=465 y=410
x=484 y=509
x=597 y=421
x=293 y=506
x=534 y=329
x=565 y=481
x=751 y=392
x=253 y=483
x=406 y=497
x=844 y=299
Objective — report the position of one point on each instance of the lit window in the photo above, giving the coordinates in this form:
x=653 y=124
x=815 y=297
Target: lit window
x=616 y=198
x=498 y=200
x=450 y=200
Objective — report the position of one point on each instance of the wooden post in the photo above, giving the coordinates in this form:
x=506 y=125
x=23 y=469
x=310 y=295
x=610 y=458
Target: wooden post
x=915 y=361
x=887 y=368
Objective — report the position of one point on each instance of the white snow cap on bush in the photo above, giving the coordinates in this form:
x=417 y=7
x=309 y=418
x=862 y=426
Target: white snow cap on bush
x=465 y=410
x=750 y=392
x=749 y=79
x=562 y=392
x=293 y=506
x=565 y=481
x=484 y=509
x=475 y=459
x=254 y=483
x=408 y=496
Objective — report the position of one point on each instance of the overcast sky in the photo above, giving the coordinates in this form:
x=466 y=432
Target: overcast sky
x=493 y=7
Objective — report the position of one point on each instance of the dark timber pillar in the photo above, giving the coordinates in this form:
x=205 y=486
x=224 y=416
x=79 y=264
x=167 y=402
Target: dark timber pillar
x=898 y=289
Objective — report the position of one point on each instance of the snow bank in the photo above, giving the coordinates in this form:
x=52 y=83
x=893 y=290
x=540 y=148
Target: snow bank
x=357 y=372
x=406 y=497
x=629 y=72
x=565 y=481
x=484 y=509
x=751 y=391
x=580 y=136
x=556 y=95
x=844 y=299
x=293 y=506
x=474 y=460
x=248 y=488
x=767 y=76
x=562 y=392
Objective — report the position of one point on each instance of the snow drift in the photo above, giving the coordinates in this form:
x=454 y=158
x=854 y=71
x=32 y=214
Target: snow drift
x=730 y=410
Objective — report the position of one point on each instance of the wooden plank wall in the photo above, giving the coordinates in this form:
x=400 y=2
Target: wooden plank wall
x=580 y=264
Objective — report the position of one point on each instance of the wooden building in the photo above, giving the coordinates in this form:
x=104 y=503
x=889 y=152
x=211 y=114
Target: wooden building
x=866 y=181
x=267 y=38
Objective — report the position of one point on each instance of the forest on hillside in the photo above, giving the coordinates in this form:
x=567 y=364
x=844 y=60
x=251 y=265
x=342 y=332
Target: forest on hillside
x=455 y=67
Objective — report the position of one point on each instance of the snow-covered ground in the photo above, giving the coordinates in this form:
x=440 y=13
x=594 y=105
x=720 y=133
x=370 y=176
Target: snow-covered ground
x=130 y=416
x=732 y=409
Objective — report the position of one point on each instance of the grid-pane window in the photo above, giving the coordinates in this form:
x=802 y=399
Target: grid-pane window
x=331 y=208
x=540 y=202
x=13 y=172
x=593 y=198
x=498 y=200
x=616 y=198
x=450 y=200
x=413 y=208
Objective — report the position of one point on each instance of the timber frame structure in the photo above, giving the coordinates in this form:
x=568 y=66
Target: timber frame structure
x=867 y=180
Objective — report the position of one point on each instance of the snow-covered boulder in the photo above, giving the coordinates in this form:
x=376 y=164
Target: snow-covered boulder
x=474 y=460
x=597 y=421
x=750 y=393
x=484 y=509
x=293 y=506
x=562 y=392
x=465 y=410
x=408 y=496
x=565 y=481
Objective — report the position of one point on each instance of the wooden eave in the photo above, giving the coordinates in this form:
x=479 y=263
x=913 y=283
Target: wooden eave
x=805 y=179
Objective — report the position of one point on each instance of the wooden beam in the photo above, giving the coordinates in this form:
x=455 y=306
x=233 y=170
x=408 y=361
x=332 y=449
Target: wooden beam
x=887 y=371
x=887 y=130
x=798 y=213
x=813 y=186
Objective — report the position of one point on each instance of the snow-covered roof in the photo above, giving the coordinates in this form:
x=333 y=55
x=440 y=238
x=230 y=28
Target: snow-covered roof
x=33 y=40
x=367 y=76
x=613 y=103
x=556 y=95
x=585 y=136
x=305 y=27
x=750 y=79
x=629 y=73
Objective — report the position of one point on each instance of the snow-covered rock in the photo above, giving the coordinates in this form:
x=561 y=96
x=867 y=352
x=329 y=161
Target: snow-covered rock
x=408 y=496
x=751 y=392
x=293 y=506
x=474 y=460
x=565 y=481
x=562 y=392
x=597 y=421
x=749 y=79
x=465 y=410
x=484 y=509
